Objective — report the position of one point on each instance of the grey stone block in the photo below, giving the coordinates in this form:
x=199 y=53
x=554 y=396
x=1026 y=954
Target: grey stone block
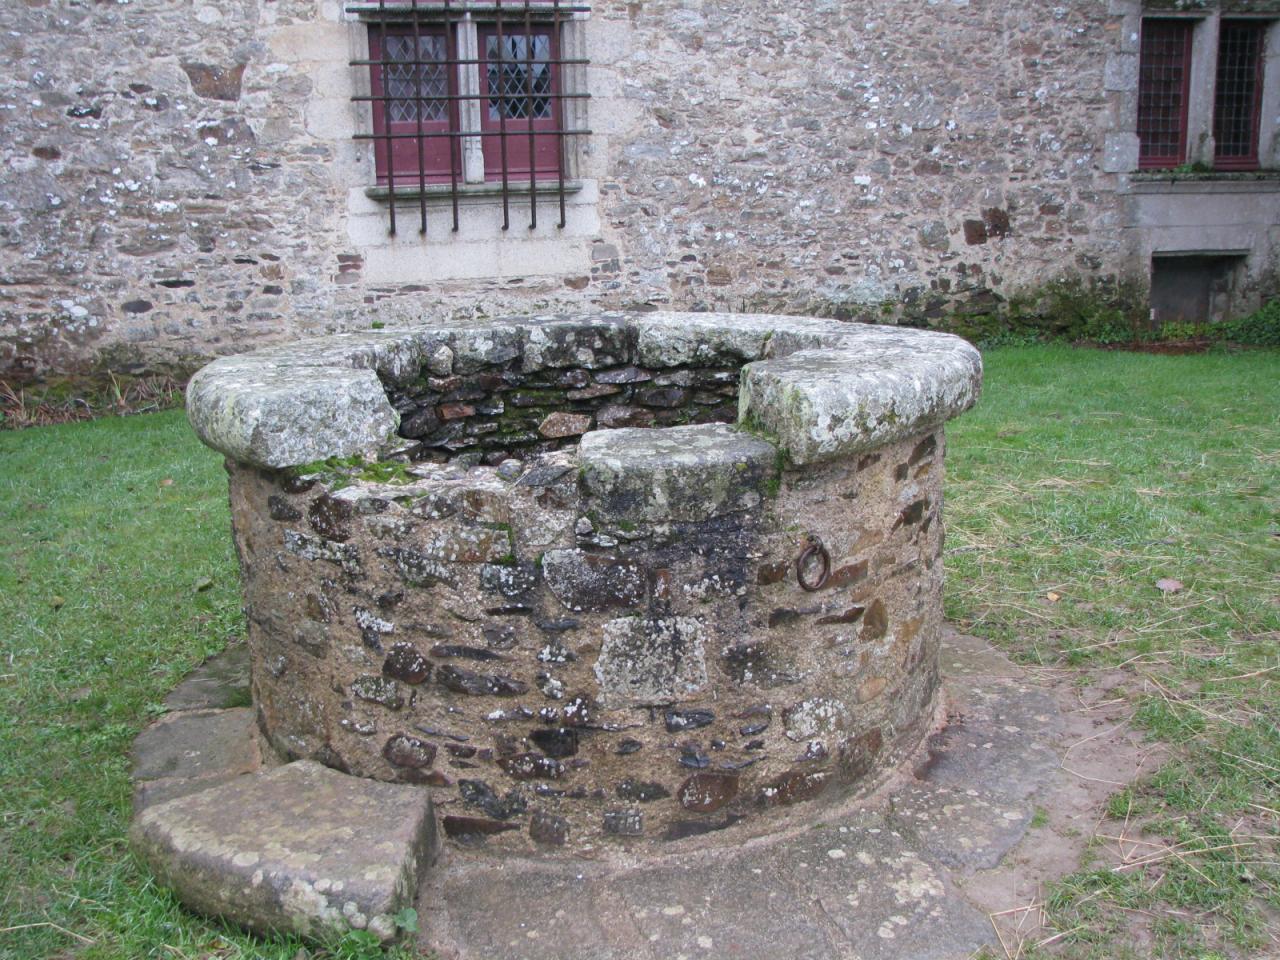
x=995 y=741
x=301 y=848
x=197 y=743
x=854 y=888
x=221 y=681
x=275 y=416
x=147 y=793
x=681 y=473
x=1120 y=152
x=825 y=404
x=655 y=660
x=958 y=827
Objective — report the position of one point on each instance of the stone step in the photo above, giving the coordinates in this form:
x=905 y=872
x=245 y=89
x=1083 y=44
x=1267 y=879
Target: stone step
x=192 y=750
x=219 y=683
x=301 y=849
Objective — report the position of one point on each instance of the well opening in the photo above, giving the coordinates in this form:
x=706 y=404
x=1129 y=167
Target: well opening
x=502 y=404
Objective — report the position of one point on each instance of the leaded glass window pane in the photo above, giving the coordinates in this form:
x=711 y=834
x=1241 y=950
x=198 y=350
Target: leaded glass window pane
x=1238 y=92
x=415 y=83
x=510 y=68
x=1163 y=75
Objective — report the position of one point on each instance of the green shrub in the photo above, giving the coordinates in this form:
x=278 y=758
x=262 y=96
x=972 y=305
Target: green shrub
x=1071 y=310
x=1258 y=329
x=1186 y=330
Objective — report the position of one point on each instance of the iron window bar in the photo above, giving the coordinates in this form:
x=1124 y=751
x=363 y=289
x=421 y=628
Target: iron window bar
x=532 y=99
x=404 y=9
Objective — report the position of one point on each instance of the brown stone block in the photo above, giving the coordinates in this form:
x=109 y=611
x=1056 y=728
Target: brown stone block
x=875 y=623
x=403 y=750
x=793 y=787
x=546 y=828
x=871 y=689
x=856 y=756
x=707 y=791
x=475 y=828
x=975 y=232
x=215 y=83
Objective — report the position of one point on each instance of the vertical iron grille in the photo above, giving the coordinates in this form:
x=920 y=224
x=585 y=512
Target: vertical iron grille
x=417 y=65
x=1237 y=99
x=1164 y=73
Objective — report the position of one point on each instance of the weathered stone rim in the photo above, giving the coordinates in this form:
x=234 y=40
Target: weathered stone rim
x=821 y=389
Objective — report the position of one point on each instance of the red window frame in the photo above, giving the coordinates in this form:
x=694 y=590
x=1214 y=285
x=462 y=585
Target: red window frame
x=1237 y=94
x=440 y=159
x=1164 y=87
x=546 y=141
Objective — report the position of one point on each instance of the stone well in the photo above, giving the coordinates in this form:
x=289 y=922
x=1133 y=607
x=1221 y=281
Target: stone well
x=597 y=582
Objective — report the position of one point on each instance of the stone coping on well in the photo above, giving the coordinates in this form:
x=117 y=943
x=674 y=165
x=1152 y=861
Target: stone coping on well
x=820 y=389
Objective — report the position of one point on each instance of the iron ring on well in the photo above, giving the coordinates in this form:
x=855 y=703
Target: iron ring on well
x=813 y=548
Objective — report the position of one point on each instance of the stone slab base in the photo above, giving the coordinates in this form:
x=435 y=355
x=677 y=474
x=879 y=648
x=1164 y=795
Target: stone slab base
x=300 y=848
x=207 y=738
x=905 y=874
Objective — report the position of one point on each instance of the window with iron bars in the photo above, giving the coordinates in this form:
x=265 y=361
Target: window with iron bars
x=473 y=97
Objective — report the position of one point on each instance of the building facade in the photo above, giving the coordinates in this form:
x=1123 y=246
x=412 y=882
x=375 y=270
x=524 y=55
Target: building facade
x=185 y=178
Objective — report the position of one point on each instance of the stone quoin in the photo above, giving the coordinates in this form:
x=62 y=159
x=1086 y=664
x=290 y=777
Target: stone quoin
x=599 y=583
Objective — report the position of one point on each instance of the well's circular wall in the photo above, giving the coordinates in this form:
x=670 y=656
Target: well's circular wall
x=607 y=642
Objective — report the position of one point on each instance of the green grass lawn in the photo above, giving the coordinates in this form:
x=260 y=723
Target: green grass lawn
x=1082 y=481
x=1085 y=475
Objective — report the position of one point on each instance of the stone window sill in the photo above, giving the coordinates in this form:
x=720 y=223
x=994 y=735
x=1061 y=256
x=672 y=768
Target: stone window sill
x=1166 y=181
x=1205 y=176
x=486 y=190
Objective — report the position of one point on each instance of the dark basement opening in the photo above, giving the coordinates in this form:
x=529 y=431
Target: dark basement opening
x=1193 y=287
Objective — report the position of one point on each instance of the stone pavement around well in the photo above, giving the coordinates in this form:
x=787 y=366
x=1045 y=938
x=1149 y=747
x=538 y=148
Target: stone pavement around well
x=878 y=881
x=911 y=873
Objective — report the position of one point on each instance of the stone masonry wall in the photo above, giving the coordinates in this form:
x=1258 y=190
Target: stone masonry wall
x=588 y=652
x=500 y=411
x=179 y=177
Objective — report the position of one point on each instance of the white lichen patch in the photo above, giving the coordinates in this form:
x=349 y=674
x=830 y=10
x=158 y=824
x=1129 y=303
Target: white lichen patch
x=817 y=717
x=919 y=884
x=650 y=661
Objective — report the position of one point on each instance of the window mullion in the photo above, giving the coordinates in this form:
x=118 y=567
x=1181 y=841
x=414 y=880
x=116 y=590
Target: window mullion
x=469 y=105
x=573 y=80
x=1204 y=56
